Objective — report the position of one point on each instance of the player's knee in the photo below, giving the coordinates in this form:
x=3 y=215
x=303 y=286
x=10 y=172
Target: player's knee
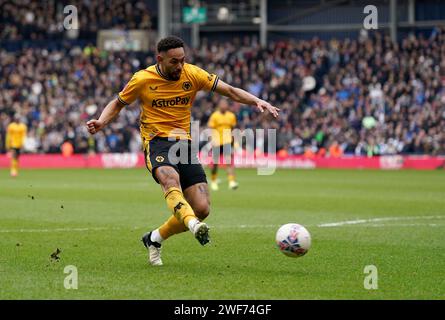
x=202 y=210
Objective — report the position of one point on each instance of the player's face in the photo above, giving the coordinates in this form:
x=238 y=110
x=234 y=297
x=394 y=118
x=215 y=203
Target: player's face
x=172 y=63
x=223 y=106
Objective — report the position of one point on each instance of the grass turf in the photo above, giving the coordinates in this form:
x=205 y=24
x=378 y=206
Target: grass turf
x=96 y=218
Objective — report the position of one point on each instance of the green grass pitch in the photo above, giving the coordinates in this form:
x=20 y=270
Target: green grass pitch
x=394 y=220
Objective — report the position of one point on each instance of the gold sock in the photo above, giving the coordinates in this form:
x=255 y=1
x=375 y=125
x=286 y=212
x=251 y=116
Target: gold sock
x=14 y=165
x=214 y=177
x=170 y=227
x=231 y=177
x=179 y=206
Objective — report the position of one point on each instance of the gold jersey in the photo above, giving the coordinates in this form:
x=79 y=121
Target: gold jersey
x=15 y=135
x=222 y=125
x=166 y=104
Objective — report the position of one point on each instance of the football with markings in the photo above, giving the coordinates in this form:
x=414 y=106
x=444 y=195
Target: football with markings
x=293 y=240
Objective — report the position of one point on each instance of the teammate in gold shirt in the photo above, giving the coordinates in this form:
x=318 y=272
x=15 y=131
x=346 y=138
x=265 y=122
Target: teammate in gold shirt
x=166 y=92
x=15 y=139
x=222 y=121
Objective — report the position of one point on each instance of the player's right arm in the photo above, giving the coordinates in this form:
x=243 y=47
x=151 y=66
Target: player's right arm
x=129 y=94
x=108 y=114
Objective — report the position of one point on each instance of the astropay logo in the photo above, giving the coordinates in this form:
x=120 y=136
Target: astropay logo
x=159 y=103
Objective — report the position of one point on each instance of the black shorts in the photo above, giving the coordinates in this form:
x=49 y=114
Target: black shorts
x=15 y=153
x=219 y=153
x=177 y=154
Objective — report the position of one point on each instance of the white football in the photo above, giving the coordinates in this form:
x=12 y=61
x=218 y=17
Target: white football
x=293 y=240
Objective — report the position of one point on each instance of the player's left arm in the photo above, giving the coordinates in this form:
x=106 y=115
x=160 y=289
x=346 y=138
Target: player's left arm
x=242 y=96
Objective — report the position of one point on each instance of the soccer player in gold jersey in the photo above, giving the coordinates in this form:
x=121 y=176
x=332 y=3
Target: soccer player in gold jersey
x=222 y=121
x=15 y=139
x=166 y=92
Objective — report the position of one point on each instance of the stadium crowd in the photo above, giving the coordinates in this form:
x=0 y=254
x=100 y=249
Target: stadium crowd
x=43 y=20
x=367 y=96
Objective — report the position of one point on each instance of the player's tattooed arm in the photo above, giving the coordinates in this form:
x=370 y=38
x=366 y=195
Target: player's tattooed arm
x=108 y=114
x=245 y=97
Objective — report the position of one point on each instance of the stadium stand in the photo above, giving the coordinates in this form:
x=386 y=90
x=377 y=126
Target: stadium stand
x=42 y=20
x=371 y=96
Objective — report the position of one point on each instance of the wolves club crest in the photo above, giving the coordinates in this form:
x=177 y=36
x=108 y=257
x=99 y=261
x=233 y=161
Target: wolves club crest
x=187 y=86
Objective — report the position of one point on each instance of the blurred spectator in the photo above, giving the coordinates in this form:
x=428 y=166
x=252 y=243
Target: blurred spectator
x=67 y=149
x=335 y=150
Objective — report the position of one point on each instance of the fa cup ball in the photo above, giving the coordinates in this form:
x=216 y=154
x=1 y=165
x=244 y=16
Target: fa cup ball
x=293 y=240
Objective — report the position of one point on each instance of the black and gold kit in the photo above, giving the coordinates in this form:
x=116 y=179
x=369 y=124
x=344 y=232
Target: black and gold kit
x=165 y=115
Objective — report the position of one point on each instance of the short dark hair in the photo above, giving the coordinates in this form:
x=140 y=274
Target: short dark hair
x=170 y=42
